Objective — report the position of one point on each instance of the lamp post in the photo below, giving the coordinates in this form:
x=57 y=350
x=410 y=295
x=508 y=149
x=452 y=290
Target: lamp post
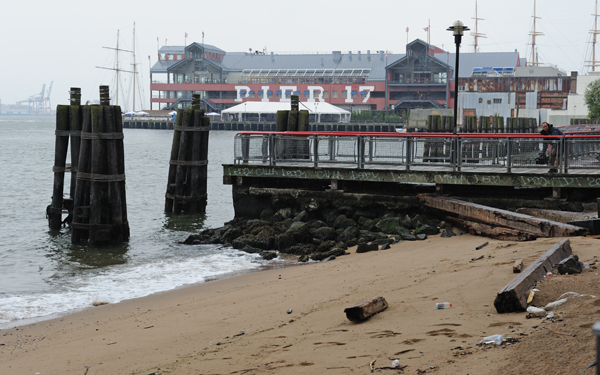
x=458 y=29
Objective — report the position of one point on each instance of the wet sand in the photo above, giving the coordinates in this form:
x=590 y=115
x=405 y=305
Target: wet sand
x=241 y=324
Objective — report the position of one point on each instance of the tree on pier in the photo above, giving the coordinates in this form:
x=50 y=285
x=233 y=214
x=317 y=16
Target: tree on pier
x=592 y=100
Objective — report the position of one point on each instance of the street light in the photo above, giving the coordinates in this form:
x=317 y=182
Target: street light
x=458 y=29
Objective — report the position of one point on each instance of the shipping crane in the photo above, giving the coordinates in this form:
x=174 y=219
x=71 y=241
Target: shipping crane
x=47 y=105
x=35 y=102
x=39 y=104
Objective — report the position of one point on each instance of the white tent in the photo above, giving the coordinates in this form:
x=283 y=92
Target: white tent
x=261 y=108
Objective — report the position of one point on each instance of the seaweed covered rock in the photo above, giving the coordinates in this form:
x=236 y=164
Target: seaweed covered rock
x=268 y=255
x=335 y=252
x=388 y=225
x=364 y=247
x=342 y=222
x=301 y=249
x=250 y=240
x=325 y=233
x=348 y=234
x=325 y=246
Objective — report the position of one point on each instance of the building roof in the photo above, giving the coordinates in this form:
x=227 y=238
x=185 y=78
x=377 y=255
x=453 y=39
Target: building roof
x=469 y=61
x=376 y=62
x=335 y=60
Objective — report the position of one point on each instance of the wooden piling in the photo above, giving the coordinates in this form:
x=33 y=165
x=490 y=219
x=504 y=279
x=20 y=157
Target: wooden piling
x=60 y=157
x=186 y=186
x=68 y=127
x=100 y=205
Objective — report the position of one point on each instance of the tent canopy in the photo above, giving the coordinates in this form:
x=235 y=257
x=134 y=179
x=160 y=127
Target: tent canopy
x=273 y=107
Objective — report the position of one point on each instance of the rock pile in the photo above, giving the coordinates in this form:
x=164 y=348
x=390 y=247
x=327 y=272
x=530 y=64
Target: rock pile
x=317 y=238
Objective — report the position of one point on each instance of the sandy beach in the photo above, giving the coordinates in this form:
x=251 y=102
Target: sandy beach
x=241 y=324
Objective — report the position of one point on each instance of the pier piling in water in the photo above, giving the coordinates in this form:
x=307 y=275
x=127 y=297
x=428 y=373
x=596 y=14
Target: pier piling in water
x=186 y=185
x=68 y=126
x=99 y=207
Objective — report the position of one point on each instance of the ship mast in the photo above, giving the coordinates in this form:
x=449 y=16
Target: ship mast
x=117 y=69
x=477 y=34
x=534 y=60
x=134 y=73
x=594 y=32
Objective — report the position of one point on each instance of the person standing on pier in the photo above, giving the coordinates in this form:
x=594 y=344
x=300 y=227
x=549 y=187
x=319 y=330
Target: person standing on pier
x=548 y=129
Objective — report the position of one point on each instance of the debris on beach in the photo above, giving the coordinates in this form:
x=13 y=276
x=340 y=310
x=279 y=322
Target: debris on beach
x=366 y=309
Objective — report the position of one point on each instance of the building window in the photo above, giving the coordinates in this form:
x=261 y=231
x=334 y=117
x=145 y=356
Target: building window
x=306 y=94
x=261 y=94
x=269 y=94
x=326 y=94
x=344 y=94
x=363 y=94
x=334 y=94
x=497 y=101
x=251 y=93
x=353 y=93
x=480 y=100
x=278 y=94
x=316 y=93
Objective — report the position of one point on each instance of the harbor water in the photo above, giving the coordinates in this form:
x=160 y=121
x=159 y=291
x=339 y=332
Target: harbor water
x=43 y=275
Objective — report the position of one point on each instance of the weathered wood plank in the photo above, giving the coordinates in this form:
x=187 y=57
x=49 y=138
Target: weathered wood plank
x=366 y=309
x=513 y=297
x=494 y=216
x=555 y=215
x=498 y=233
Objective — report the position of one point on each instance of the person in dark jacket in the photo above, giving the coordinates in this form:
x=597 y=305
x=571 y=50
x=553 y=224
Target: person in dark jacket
x=548 y=129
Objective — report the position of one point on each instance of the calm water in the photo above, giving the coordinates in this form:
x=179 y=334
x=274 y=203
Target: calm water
x=43 y=274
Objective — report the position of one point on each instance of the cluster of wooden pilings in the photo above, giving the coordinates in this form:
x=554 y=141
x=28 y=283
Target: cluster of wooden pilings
x=186 y=187
x=483 y=124
x=295 y=119
x=99 y=211
x=580 y=121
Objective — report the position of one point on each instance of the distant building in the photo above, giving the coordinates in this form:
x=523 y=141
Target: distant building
x=489 y=83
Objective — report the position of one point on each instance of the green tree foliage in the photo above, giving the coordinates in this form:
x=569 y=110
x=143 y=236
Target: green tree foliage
x=592 y=100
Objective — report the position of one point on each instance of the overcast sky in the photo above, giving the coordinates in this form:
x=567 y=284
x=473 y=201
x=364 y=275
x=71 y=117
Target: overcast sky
x=62 y=41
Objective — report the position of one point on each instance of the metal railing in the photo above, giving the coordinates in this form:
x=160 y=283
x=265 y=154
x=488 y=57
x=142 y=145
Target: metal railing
x=406 y=150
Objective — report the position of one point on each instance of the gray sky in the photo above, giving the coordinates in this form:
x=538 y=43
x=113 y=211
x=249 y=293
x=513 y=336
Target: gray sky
x=62 y=40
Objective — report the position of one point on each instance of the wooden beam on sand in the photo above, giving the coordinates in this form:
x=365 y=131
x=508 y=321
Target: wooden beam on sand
x=513 y=297
x=366 y=309
x=498 y=233
x=497 y=217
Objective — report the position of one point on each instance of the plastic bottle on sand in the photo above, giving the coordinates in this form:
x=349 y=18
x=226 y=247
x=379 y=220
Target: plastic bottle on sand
x=442 y=305
x=396 y=363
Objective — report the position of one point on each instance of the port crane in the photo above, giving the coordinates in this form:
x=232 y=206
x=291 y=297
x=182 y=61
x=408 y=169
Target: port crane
x=39 y=104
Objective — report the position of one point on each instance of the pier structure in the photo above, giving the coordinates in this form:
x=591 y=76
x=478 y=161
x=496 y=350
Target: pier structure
x=507 y=164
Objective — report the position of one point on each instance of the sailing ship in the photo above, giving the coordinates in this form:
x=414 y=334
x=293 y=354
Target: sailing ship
x=124 y=88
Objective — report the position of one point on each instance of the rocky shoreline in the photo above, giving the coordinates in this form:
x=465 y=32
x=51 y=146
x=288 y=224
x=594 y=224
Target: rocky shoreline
x=321 y=235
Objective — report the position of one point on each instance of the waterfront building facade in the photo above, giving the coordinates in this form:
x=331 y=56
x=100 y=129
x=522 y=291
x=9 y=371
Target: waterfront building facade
x=489 y=83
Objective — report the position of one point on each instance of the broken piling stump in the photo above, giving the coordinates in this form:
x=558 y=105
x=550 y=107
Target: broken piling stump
x=366 y=309
x=513 y=297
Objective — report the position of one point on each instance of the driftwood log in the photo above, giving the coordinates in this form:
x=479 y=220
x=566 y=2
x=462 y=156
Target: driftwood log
x=498 y=233
x=513 y=297
x=498 y=217
x=518 y=266
x=366 y=309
